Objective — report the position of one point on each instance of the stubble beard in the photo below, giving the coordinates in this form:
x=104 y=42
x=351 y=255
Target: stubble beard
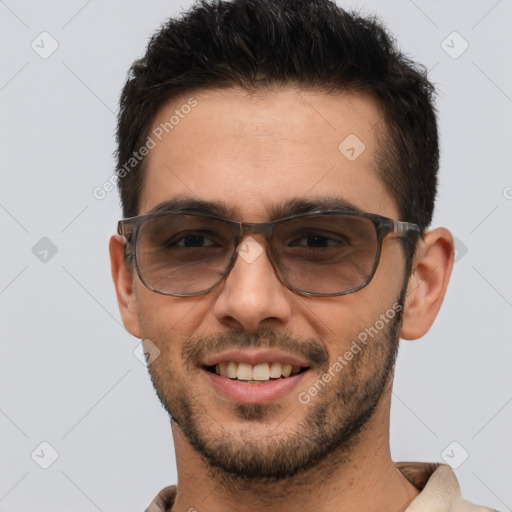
x=329 y=430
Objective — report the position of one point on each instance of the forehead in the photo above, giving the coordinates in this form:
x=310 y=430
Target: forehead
x=252 y=151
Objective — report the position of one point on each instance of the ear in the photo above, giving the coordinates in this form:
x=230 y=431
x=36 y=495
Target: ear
x=432 y=267
x=122 y=275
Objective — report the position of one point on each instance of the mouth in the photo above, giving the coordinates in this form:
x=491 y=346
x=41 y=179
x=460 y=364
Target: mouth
x=255 y=374
x=254 y=377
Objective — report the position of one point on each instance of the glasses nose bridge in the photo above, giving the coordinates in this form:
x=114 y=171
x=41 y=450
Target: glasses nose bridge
x=265 y=229
x=244 y=229
x=240 y=231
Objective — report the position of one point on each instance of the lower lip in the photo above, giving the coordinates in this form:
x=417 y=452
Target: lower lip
x=264 y=393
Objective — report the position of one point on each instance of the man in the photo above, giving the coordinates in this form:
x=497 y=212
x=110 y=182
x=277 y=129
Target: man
x=277 y=169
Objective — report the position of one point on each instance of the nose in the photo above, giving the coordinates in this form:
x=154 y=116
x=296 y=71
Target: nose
x=252 y=294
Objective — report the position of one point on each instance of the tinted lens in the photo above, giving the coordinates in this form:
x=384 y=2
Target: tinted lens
x=183 y=253
x=326 y=254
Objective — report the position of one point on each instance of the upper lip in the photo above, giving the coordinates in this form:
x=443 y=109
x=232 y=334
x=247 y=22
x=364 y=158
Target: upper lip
x=254 y=357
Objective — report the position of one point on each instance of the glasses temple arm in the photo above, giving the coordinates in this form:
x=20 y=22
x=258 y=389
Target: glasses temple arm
x=404 y=227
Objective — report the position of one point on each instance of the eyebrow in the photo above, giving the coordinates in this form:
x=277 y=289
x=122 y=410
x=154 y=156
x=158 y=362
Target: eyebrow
x=286 y=208
x=299 y=205
x=217 y=208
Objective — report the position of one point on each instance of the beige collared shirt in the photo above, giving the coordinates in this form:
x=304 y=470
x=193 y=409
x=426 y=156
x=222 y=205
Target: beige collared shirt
x=440 y=491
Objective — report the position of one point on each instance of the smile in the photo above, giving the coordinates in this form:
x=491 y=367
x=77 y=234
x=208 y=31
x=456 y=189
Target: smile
x=256 y=376
x=255 y=373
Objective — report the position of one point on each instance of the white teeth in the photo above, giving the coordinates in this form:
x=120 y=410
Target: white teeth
x=259 y=372
x=287 y=370
x=223 y=369
x=232 y=370
x=275 y=370
x=244 y=372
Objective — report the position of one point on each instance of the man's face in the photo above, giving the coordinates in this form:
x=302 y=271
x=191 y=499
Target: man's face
x=254 y=153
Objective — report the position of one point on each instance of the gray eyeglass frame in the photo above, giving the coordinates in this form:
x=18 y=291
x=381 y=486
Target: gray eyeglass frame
x=129 y=228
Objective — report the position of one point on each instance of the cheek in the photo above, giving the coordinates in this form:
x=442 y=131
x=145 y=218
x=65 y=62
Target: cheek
x=343 y=322
x=170 y=321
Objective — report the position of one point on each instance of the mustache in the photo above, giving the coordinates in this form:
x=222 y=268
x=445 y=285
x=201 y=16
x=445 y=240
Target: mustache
x=196 y=348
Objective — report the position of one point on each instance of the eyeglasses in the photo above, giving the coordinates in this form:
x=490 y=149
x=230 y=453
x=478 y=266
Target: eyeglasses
x=322 y=253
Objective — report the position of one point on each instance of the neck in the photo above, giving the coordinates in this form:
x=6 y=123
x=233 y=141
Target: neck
x=364 y=479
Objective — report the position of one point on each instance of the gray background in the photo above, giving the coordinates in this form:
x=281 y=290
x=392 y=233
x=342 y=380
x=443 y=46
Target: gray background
x=68 y=375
